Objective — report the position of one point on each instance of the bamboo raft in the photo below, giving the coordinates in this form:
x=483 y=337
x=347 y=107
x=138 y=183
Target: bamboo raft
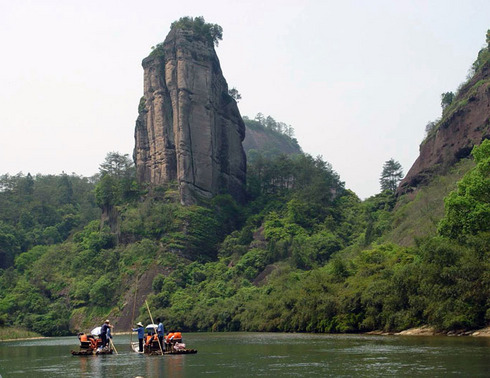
x=157 y=352
x=91 y=345
x=153 y=347
x=91 y=352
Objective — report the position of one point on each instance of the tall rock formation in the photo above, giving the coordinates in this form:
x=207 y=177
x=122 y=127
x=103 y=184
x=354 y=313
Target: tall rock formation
x=465 y=123
x=189 y=129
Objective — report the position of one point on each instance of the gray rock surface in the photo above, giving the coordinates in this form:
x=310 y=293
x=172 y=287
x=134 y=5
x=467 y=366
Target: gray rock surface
x=189 y=129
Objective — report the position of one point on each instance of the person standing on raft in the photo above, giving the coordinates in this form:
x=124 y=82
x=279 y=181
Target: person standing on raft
x=104 y=330
x=160 y=331
x=141 y=335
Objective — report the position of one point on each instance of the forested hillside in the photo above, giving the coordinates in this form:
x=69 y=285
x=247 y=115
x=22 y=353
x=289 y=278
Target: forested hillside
x=305 y=254
x=268 y=137
x=302 y=254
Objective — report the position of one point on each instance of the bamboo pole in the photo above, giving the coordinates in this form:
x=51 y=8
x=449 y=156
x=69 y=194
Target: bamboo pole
x=151 y=318
x=113 y=346
x=132 y=316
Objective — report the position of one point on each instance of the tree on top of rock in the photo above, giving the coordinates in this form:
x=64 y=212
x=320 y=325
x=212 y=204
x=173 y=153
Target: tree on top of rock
x=211 y=33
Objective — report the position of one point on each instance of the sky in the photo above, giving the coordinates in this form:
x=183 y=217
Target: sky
x=357 y=80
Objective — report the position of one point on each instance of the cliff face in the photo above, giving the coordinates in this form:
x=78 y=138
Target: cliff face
x=465 y=124
x=189 y=129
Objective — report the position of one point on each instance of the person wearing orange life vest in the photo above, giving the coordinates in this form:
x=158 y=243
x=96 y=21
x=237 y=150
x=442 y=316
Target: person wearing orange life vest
x=151 y=336
x=171 y=339
x=168 y=338
x=177 y=336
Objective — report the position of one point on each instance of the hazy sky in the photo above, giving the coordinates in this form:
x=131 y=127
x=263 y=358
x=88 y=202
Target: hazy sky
x=358 y=80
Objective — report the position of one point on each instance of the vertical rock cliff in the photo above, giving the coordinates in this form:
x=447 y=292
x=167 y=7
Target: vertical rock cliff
x=465 y=124
x=189 y=129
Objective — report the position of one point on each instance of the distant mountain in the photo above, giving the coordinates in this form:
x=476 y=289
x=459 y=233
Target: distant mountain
x=268 y=141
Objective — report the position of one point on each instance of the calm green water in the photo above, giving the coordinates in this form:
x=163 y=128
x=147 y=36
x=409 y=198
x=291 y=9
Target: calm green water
x=251 y=354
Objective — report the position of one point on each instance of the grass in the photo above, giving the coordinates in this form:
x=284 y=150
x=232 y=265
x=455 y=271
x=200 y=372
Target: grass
x=420 y=216
x=12 y=333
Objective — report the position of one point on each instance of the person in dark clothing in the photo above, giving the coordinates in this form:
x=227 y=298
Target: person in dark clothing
x=103 y=332
x=141 y=335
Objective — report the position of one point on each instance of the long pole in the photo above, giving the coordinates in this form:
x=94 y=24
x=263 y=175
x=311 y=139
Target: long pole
x=113 y=346
x=151 y=318
x=132 y=317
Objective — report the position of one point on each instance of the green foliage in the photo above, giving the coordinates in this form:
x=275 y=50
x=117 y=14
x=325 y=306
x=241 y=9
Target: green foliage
x=142 y=105
x=446 y=99
x=10 y=244
x=269 y=123
x=417 y=217
x=303 y=255
x=25 y=260
x=102 y=291
x=10 y=333
x=209 y=33
x=156 y=51
x=118 y=182
x=233 y=92
x=41 y=210
x=453 y=102
x=468 y=207
x=391 y=175
x=482 y=59
x=93 y=238
x=288 y=268
x=378 y=215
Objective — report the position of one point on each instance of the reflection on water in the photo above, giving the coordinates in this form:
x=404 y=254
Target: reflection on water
x=257 y=354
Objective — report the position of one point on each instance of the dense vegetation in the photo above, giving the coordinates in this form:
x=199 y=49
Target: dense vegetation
x=41 y=210
x=303 y=254
x=314 y=283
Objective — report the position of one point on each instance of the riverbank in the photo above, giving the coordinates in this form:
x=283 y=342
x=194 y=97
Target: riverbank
x=419 y=331
x=9 y=334
x=430 y=331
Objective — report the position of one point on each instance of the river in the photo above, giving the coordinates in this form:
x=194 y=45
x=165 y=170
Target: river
x=258 y=354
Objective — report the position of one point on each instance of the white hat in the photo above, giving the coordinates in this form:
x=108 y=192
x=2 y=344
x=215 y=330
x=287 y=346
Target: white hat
x=107 y=321
x=139 y=324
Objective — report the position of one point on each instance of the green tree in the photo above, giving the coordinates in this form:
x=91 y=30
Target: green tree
x=391 y=175
x=468 y=207
x=233 y=92
x=117 y=165
x=211 y=33
x=118 y=182
x=446 y=99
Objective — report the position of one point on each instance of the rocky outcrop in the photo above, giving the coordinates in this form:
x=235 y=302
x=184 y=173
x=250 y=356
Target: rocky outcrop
x=465 y=124
x=189 y=129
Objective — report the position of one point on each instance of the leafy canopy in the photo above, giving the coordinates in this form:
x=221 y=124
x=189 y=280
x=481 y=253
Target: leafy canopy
x=211 y=33
x=468 y=207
